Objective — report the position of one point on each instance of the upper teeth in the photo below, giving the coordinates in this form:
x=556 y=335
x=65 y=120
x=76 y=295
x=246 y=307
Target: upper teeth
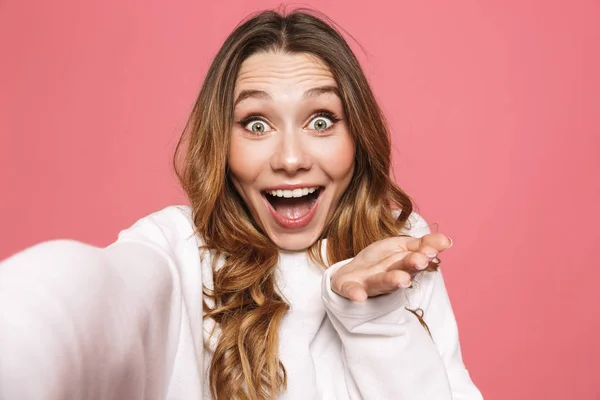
x=292 y=193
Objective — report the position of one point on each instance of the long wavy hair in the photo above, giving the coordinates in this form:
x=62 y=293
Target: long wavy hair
x=244 y=301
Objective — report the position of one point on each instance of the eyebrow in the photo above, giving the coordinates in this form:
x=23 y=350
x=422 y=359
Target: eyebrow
x=315 y=92
x=262 y=95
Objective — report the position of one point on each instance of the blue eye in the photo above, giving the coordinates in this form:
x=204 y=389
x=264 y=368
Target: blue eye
x=257 y=126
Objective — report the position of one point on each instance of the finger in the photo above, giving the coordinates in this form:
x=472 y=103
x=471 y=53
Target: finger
x=386 y=282
x=391 y=261
x=437 y=241
x=429 y=251
x=354 y=291
x=410 y=262
x=380 y=249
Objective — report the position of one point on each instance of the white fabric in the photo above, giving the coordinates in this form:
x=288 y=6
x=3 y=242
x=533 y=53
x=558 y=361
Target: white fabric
x=125 y=322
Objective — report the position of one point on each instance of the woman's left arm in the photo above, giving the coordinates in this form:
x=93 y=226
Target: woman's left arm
x=387 y=354
x=440 y=320
x=386 y=351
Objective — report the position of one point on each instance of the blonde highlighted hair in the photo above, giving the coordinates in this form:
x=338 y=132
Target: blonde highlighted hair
x=246 y=303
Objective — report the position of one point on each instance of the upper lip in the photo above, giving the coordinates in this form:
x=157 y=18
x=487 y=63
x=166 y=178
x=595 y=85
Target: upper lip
x=292 y=187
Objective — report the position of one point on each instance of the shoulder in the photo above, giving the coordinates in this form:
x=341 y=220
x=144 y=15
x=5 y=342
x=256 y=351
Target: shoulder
x=168 y=230
x=415 y=225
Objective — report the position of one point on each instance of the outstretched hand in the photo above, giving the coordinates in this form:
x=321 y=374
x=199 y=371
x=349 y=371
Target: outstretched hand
x=388 y=264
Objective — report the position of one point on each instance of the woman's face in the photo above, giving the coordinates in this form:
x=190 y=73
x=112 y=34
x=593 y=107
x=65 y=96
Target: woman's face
x=291 y=156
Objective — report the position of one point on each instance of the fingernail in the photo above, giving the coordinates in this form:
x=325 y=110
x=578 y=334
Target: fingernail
x=450 y=243
x=422 y=266
x=405 y=285
x=431 y=255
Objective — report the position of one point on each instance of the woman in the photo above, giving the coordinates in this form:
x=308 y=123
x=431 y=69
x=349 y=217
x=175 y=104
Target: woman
x=298 y=272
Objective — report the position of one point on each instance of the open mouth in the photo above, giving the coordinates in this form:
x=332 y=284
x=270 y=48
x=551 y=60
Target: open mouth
x=293 y=208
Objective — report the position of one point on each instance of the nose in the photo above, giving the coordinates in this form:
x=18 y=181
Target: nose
x=293 y=154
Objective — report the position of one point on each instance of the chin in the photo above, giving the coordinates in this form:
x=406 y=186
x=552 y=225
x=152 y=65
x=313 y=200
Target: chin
x=294 y=241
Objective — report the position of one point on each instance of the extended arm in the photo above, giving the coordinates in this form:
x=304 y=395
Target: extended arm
x=387 y=353
x=80 y=322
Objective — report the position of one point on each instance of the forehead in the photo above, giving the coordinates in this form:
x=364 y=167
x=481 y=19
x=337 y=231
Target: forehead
x=271 y=71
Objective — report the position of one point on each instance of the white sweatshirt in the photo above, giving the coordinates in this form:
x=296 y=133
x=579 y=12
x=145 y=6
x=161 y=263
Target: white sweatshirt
x=125 y=322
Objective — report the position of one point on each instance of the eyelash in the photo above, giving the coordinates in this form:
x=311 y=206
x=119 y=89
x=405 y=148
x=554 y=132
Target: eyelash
x=321 y=113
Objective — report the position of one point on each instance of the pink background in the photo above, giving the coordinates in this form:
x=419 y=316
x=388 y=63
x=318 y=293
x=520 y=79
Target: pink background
x=494 y=110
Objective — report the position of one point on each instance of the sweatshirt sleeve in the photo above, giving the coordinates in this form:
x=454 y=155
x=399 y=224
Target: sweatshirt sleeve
x=81 y=322
x=387 y=352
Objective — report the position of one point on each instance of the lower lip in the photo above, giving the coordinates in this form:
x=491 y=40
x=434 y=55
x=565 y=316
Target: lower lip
x=295 y=223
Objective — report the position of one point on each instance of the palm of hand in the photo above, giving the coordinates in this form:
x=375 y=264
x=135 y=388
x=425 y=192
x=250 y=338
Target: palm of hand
x=387 y=265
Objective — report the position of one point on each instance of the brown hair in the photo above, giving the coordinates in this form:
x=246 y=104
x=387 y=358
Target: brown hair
x=244 y=300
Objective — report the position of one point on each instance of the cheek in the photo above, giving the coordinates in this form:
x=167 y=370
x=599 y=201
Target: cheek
x=244 y=162
x=337 y=158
